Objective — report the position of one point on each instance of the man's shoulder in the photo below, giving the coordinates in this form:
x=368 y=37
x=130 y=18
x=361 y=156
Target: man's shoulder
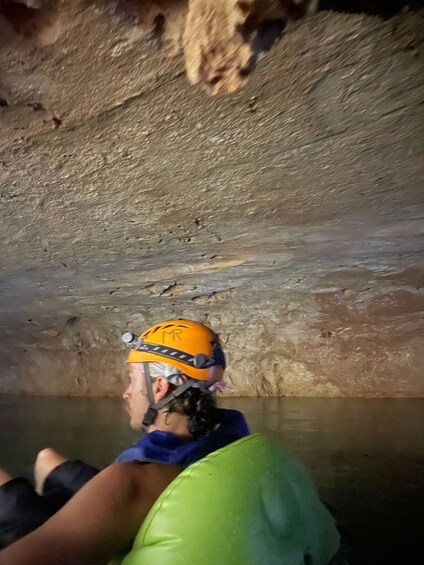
x=130 y=475
x=122 y=478
x=135 y=483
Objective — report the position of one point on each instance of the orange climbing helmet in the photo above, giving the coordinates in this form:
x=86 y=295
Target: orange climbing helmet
x=188 y=346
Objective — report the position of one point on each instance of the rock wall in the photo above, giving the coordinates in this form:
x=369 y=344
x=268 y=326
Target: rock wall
x=288 y=216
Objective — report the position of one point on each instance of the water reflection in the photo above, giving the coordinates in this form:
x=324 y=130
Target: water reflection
x=366 y=456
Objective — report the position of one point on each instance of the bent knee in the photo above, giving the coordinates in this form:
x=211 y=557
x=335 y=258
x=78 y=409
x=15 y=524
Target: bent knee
x=48 y=457
x=47 y=460
x=46 y=453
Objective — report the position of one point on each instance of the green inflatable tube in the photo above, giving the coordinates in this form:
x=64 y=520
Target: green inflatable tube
x=250 y=503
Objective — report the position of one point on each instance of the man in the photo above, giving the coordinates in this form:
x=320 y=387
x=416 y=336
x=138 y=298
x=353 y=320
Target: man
x=174 y=368
x=234 y=497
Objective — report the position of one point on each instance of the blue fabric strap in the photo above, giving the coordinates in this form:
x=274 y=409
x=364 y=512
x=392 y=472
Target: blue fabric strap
x=165 y=447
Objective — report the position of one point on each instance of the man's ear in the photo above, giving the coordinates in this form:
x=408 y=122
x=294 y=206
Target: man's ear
x=160 y=388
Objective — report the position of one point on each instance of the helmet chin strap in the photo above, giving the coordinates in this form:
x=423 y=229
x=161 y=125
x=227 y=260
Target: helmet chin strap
x=151 y=413
x=153 y=409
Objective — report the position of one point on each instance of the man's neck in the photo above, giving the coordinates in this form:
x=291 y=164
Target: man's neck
x=173 y=423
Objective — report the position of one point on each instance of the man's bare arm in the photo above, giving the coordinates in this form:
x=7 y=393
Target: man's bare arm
x=99 y=522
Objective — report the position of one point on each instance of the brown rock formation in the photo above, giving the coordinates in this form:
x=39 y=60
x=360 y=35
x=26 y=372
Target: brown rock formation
x=289 y=215
x=223 y=39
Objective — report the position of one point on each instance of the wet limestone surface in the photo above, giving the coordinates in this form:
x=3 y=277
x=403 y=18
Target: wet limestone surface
x=289 y=215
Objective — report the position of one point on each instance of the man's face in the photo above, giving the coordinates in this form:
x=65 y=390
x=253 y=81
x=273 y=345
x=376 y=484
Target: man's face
x=135 y=396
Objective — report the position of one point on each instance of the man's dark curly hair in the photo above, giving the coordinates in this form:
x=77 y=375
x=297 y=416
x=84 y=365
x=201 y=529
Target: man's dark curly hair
x=200 y=408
